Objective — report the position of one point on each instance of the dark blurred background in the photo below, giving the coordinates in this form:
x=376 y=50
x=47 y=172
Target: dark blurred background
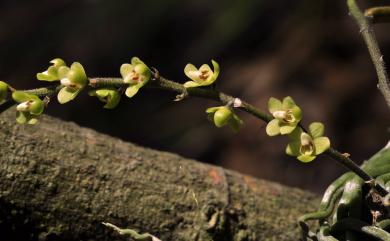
x=311 y=50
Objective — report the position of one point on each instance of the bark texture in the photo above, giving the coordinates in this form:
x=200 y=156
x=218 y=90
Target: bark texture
x=60 y=181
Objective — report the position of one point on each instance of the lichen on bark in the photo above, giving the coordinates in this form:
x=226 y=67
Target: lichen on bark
x=59 y=181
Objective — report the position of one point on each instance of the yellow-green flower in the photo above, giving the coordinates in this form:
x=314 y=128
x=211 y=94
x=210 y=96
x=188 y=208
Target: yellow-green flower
x=223 y=115
x=110 y=96
x=72 y=79
x=287 y=116
x=201 y=77
x=3 y=91
x=306 y=146
x=29 y=108
x=136 y=74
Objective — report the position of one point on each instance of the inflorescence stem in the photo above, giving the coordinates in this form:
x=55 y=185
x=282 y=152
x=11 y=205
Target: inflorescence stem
x=208 y=93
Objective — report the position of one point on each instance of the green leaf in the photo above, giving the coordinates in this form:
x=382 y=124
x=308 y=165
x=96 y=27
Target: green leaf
x=3 y=91
x=292 y=148
x=273 y=128
x=222 y=116
x=67 y=94
x=132 y=90
x=306 y=158
x=316 y=129
x=321 y=144
x=274 y=105
x=288 y=103
x=286 y=128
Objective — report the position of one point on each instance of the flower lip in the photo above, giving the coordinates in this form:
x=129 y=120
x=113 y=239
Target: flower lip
x=68 y=83
x=307 y=145
x=284 y=115
x=132 y=78
x=24 y=106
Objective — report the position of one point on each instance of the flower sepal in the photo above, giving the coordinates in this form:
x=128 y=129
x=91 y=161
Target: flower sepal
x=223 y=115
x=3 y=91
x=51 y=74
x=110 y=97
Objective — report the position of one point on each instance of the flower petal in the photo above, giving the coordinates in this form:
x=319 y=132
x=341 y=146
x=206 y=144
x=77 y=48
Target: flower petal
x=211 y=79
x=3 y=91
x=292 y=148
x=306 y=158
x=274 y=105
x=316 y=129
x=113 y=100
x=297 y=113
x=144 y=73
x=32 y=121
x=288 y=103
x=58 y=62
x=273 y=128
x=67 y=94
x=191 y=84
x=21 y=117
x=192 y=72
x=136 y=60
x=132 y=90
x=321 y=144
x=37 y=107
x=126 y=69
x=286 y=128
x=77 y=74
x=63 y=72
x=20 y=96
x=212 y=109
x=222 y=116
x=205 y=67
x=45 y=76
x=235 y=122
x=51 y=74
x=110 y=96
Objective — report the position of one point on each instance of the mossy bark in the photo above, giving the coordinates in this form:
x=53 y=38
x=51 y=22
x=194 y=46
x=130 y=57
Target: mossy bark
x=60 y=181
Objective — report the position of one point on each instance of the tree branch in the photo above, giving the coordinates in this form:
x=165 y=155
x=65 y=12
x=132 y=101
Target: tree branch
x=373 y=49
